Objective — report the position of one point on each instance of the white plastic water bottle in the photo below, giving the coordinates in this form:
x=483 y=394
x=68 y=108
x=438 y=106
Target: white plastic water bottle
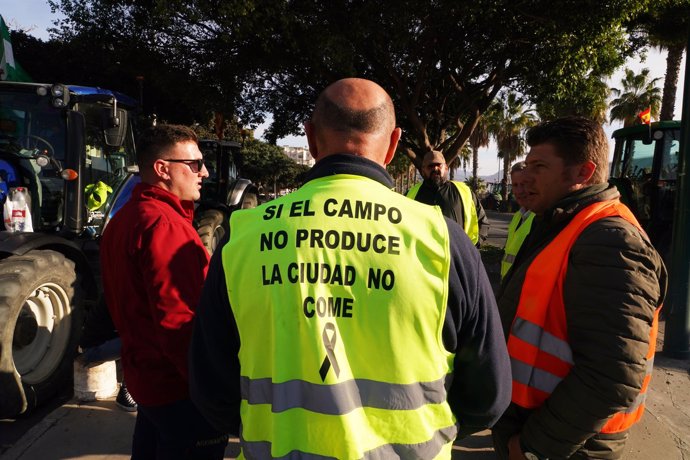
x=17 y=212
x=7 y=214
x=4 y=198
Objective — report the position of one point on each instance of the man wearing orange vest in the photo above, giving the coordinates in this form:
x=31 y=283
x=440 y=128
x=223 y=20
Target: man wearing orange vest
x=579 y=306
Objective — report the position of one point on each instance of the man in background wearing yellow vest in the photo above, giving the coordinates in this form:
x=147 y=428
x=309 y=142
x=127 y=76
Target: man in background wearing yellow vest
x=579 y=306
x=456 y=200
x=344 y=320
x=520 y=225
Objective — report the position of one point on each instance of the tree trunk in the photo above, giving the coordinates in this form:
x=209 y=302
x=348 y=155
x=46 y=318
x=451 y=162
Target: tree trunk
x=475 y=168
x=506 y=168
x=673 y=61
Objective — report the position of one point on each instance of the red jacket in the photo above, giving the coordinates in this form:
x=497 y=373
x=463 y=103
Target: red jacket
x=153 y=267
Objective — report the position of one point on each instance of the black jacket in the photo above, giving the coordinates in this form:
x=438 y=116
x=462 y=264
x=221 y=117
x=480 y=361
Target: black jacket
x=480 y=391
x=447 y=197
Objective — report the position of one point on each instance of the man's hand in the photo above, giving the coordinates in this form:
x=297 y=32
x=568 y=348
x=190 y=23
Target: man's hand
x=514 y=449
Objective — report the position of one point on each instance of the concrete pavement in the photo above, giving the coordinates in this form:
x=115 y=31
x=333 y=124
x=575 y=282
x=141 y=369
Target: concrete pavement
x=99 y=430
x=664 y=432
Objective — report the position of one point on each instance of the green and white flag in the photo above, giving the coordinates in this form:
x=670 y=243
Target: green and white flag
x=9 y=69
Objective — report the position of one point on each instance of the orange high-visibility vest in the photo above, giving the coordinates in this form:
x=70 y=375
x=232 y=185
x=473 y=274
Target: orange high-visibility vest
x=538 y=341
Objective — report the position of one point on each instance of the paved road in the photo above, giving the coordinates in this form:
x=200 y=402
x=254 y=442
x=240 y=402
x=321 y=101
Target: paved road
x=498 y=232
x=14 y=428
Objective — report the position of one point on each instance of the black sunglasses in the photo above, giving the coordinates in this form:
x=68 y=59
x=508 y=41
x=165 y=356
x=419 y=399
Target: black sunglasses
x=195 y=165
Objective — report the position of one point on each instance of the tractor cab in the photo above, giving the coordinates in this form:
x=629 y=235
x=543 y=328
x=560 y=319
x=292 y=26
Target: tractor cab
x=644 y=169
x=70 y=147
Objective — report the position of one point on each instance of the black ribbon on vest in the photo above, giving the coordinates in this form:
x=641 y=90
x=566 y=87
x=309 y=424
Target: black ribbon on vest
x=329 y=360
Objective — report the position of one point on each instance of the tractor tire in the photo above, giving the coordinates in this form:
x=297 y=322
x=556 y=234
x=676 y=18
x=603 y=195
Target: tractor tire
x=212 y=227
x=41 y=316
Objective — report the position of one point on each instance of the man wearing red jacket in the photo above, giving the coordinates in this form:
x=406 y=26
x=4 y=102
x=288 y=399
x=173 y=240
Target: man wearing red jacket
x=154 y=266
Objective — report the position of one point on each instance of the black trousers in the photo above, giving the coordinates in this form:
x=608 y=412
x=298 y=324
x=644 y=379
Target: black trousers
x=175 y=431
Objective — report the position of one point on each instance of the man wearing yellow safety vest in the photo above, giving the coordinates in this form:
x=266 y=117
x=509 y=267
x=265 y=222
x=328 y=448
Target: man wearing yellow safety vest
x=456 y=200
x=344 y=320
x=520 y=224
x=579 y=306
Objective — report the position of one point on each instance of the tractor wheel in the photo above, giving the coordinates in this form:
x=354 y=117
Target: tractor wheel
x=41 y=316
x=212 y=228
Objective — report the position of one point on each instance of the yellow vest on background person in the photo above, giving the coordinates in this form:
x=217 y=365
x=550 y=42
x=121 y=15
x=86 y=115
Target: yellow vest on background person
x=538 y=345
x=340 y=308
x=469 y=211
x=518 y=229
x=96 y=195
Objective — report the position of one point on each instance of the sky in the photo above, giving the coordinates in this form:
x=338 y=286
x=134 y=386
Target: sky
x=35 y=17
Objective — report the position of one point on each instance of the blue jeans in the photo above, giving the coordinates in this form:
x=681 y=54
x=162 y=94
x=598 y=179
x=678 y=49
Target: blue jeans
x=107 y=351
x=176 y=431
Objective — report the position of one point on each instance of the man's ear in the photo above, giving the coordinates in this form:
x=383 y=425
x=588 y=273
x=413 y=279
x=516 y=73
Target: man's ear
x=585 y=171
x=160 y=169
x=393 y=145
x=310 y=131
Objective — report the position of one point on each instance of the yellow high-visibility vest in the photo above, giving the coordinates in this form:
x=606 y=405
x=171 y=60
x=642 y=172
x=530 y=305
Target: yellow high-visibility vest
x=340 y=306
x=516 y=236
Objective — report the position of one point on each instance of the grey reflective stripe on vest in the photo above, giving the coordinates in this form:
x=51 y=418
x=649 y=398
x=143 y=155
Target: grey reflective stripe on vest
x=341 y=398
x=641 y=397
x=509 y=258
x=534 y=377
x=535 y=335
x=639 y=400
x=429 y=449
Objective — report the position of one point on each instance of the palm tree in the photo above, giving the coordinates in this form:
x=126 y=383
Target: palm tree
x=673 y=60
x=509 y=122
x=666 y=26
x=479 y=138
x=639 y=92
x=461 y=159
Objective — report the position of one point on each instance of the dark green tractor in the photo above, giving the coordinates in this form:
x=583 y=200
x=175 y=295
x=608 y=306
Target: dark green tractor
x=69 y=150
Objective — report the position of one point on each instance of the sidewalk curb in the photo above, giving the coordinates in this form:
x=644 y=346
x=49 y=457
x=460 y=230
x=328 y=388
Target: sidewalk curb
x=37 y=432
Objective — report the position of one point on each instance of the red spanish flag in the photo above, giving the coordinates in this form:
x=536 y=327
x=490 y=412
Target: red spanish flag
x=646 y=116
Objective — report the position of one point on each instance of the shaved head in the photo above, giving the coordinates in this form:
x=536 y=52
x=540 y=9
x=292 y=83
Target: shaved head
x=354 y=104
x=354 y=116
